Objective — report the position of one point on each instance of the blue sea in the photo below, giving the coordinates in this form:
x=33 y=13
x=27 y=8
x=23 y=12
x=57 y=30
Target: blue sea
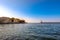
x=30 y=31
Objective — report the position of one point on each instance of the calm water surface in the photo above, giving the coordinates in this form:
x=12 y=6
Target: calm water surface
x=33 y=31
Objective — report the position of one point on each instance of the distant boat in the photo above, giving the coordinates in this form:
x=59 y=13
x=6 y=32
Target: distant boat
x=41 y=22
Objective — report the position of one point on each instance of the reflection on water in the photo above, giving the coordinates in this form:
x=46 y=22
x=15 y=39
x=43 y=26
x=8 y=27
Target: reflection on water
x=30 y=31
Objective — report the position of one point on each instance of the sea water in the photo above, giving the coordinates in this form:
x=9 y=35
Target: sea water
x=30 y=31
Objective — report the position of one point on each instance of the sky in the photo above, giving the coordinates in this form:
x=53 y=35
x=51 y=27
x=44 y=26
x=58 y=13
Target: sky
x=31 y=10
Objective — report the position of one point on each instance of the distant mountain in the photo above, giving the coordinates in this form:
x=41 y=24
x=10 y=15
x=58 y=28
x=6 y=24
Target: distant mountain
x=10 y=20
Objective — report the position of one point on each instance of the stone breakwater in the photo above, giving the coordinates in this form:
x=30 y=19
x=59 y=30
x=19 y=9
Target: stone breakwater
x=8 y=20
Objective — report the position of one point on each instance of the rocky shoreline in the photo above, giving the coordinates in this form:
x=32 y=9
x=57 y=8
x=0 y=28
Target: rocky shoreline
x=8 y=20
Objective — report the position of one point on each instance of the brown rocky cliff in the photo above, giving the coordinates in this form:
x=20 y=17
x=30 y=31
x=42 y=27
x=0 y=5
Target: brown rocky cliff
x=11 y=20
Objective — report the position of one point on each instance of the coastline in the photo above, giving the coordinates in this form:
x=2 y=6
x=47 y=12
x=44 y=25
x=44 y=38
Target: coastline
x=50 y=23
x=8 y=20
x=14 y=23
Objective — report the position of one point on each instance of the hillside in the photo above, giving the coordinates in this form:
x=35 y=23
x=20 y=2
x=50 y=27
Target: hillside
x=10 y=20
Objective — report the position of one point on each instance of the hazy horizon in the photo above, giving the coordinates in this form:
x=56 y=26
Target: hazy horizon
x=31 y=10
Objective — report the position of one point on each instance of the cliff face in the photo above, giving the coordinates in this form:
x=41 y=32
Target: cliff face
x=10 y=20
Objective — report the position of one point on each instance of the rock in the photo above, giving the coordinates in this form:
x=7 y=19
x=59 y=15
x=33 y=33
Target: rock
x=10 y=20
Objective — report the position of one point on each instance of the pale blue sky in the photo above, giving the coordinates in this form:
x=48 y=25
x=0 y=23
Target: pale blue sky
x=31 y=10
